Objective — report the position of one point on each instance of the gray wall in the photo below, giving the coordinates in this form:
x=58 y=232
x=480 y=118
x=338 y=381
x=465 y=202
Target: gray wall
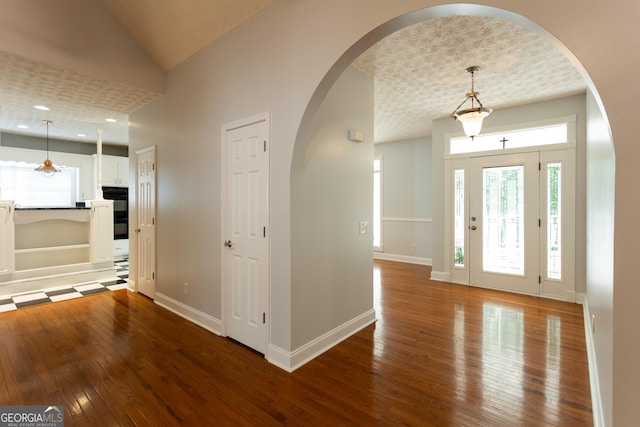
x=332 y=262
x=284 y=60
x=601 y=165
x=407 y=200
x=507 y=116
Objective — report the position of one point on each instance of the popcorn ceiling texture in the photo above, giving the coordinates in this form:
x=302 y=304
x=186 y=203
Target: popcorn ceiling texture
x=79 y=103
x=419 y=71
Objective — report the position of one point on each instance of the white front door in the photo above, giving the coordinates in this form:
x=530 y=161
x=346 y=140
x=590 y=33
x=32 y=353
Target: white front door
x=245 y=230
x=504 y=222
x=146 y=221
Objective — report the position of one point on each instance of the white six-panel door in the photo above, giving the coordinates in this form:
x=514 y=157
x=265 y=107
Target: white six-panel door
x=245 y=231
x=146 y=221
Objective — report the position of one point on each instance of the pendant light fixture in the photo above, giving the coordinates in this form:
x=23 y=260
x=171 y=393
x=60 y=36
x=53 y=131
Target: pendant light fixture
x=47 y=167
x=471 y=118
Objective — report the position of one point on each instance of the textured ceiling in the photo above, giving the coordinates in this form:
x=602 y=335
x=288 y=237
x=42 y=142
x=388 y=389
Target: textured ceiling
x=168 y=30
x=419 y=72
x=78 y=103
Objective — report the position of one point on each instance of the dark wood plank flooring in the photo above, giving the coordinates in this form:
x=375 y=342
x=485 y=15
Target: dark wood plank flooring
x=439 y=355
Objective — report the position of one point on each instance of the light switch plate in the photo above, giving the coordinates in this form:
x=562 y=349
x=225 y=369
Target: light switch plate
x=364 y=227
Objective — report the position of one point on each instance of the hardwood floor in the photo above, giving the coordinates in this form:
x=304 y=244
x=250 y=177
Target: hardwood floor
x=439 y=355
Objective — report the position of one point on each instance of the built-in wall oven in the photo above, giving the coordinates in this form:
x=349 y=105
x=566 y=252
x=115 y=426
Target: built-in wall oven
x=119 y=195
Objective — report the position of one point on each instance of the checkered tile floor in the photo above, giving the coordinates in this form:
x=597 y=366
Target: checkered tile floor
x=14 y=302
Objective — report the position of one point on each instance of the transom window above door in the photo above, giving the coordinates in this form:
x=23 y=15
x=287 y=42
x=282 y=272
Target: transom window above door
x=552 y=133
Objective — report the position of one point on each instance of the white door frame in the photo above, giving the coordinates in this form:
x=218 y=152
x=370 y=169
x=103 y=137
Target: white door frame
x=563 y=289
x=261 y=117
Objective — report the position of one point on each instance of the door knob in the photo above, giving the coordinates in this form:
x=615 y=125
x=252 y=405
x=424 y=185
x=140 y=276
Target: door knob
x=137 y=230
x=473 y=227
x=228 y=243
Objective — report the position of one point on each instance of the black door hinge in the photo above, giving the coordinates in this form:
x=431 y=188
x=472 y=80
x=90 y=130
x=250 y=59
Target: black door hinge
x=264 y=318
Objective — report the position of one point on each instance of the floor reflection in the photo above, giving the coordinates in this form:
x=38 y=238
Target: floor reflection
x=502 y=351
x=466 y=356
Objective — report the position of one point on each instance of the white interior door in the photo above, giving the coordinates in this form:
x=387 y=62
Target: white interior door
x=246 y=246
x=504 y=222
x=146 y=221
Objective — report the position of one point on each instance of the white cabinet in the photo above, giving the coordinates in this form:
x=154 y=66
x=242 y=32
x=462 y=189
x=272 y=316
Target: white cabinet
x=101 y=231
x=7 y=258
x=86 y=180
x=115 y=171
x=47 y=239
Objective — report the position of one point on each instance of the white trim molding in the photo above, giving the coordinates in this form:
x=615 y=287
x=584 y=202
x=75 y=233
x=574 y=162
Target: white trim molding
x=440 y=276
x=402 y=258
x=290 y=361
x=198 y=317
x=401 y=219
x=594 y=381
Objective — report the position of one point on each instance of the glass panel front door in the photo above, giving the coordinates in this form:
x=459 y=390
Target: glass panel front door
x=504 y=222
x=503 y=219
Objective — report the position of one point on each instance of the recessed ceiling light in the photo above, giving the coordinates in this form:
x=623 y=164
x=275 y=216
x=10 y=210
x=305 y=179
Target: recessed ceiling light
x=23 y=127
x=41 y=107
x=110 y=120
x=82 y=135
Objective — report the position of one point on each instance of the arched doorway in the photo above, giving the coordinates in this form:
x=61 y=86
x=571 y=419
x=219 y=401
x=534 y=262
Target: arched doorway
x=304 y=151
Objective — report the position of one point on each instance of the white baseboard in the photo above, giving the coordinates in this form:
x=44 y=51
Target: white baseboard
x=198 y=317
x=596 y=398
x=402 y=258
x=290 y=361
x=440 y=276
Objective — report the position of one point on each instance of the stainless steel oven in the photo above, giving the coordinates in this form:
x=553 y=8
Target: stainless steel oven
x=119 y=195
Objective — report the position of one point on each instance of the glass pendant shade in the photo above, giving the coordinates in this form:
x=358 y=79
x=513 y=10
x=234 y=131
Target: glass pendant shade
x=472 y=120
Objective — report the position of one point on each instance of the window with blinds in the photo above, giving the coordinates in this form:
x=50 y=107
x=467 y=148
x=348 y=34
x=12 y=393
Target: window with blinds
x=30 y=189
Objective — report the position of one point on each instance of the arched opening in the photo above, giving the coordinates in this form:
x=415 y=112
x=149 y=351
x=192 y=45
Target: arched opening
x=307 y=248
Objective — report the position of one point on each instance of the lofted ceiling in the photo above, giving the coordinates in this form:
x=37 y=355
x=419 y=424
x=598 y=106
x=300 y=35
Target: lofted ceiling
x=419 y=72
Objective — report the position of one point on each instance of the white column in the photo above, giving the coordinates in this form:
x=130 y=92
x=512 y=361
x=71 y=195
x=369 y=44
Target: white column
x=99 y=195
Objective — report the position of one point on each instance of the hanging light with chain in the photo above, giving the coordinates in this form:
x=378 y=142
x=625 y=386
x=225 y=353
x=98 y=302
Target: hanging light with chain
x=471 y=118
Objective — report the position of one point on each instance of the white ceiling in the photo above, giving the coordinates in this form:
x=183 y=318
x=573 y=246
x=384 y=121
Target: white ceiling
x=419 y=72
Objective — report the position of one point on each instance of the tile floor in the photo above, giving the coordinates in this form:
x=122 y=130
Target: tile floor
x=61 y=293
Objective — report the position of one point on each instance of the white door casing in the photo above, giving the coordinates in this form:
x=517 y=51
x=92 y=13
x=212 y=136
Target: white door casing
x=146 y=221
x=245 y=272
x=556 y=241
x=7 y=237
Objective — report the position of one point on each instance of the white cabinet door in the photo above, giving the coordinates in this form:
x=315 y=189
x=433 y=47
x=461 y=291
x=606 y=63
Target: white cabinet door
x=86 y=183
x=7 y=245
x=123 y=171
x=101 y=231
x=115 y=171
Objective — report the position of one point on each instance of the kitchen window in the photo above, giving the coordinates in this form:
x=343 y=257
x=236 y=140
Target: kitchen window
x=30 y=189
